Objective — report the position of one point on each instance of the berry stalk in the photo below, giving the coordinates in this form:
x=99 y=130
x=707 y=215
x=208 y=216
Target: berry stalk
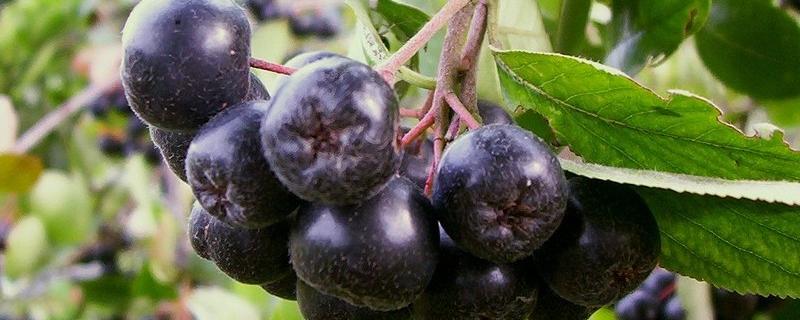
x=271 y=67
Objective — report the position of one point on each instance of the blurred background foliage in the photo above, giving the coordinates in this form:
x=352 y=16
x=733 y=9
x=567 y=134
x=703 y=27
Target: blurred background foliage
x=101 y=237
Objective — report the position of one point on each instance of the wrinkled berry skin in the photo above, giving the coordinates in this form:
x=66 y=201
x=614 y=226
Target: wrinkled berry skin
x=606 y=246
x=185 y=60
x=639 y=305
x=465 y=287
x=315 y=305
x=257 y=89
x=380 y=254
x=251 y=256
x=173 y=146
x=284 y=288
x=499 y=193
x=493 y=114
x=228 y=174
x=550 y=306
x=331 y=131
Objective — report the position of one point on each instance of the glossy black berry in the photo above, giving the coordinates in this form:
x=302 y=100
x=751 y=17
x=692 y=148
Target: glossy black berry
x=257 y=89
x=265 y=10
x=380 y=254
x=199 y=222
x=550 y=306
x=185 y=60
x=111 y=146
x=229 y=175
x=173 y=146
x=284 y=288
x=658 y=281
x=324 y=23
x=330 y=133
x=499 y=192
x=493 y=114
x=252 y=256
x=638 y=305
x=730 y=305
x=673 y=310
x=315 y=305
x=465 y=287
x=606 y=246
x=416 y=161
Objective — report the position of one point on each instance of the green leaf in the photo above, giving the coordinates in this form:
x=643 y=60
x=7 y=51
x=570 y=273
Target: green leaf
x=18 y=173
x=742 y=245
x=609 y=119
x=207 y=303
x=517 y=25
x=402 y=18
x=26 y=247
x=286 y=310
x=111 y=291
x=572 y=26
x=769 y=191
x=753 y=47
x=62 y=200
x=146 y=285
x=644 y=30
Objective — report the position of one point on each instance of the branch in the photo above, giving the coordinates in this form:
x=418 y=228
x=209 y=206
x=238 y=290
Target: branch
x=271 y=67
x=389 y=67
x=475 y=38
x=53 y=119
x=461 y=111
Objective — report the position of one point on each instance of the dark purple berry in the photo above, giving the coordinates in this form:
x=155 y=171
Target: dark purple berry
x=284 y=288
x=493 y=114
x=606 y=246
x=185 y=60
x=550 y=306
x=416 y=161
x=638 y=305
x=465 y=287
x=658 y=281
x=251 y=256
x=499 y=192
x=111 y=146
x=315 y=305
x=330 y=133
x=673 y=310
x=257 y=89
x=380 y=254
x=229 y=175
x=173 y=146
x=265 y=10
x=324 y=23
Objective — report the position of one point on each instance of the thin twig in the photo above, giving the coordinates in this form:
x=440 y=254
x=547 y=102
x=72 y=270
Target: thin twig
x=475 y=37
x=271 y=67
x=452 y=131
x=461 y=111
x=53 y=119
x=426 y=122
x=389 y=67
x=409 y=113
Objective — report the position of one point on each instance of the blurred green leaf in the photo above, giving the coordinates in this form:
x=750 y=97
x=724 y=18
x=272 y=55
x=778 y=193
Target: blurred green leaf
x=753 y=47
x=571 y=33
x=402 y=18
x=208 y=303
x=741 y=245
x=643 y=30
x=18 y=173
x=112 y=291
x=517 y=25
x=26 y=247
x=784 y=112
x=609 y=119
x=146 y=285
x=64 y=205
x=286 y=310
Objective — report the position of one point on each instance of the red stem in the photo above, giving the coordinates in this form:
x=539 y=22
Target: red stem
x=271 y=67
x=409 y=113
x=461 y=111
x=427 y=121
x=452 y=131
x=475 y=36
